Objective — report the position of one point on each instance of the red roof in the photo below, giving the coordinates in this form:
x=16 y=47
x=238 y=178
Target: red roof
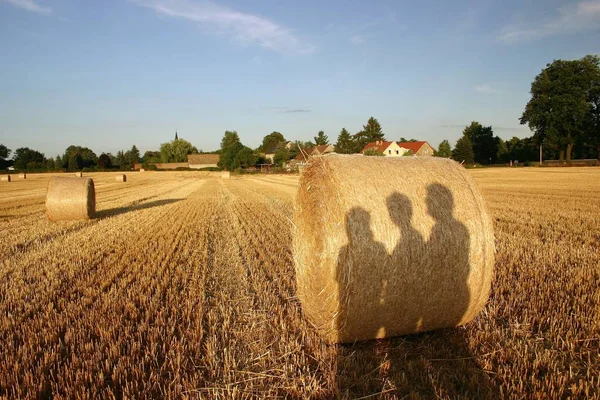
x=321 y=148
x=379 y=146
x=412 y=146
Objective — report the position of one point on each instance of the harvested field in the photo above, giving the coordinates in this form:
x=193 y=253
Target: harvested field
x=184 y=287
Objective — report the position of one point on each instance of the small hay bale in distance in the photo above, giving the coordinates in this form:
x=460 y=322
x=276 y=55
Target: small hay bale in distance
x=121 y=178
x=142 y=170
x=70 y=199
x=225 y=175
x=390 y=246
x=22 y=175
x=79 y=174
x=6 y=178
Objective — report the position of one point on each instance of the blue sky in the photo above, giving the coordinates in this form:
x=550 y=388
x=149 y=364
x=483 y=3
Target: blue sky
x=113 y=73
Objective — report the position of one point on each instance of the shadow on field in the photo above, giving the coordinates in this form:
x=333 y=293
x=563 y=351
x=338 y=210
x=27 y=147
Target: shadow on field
x=421 y=286
x=111 y=212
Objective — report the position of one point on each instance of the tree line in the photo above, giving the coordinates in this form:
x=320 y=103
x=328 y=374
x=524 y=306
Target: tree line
x=563 y=114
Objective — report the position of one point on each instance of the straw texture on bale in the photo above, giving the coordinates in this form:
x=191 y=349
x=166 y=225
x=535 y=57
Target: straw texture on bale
x=121 y=178
x=79 y=174
x=6 y=178
x=22 y=175
x=70 y=199
x=225 y=174
x=390 y=246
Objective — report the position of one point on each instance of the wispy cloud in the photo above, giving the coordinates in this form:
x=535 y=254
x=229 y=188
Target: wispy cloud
x=288 y=110
x=297 y=110
x=486 y=89
x=30 y=5
x=494 y=127
x=573 y=18
x=359 y=39
x=245 y=28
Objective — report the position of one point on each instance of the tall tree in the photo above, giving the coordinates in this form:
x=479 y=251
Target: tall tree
x=463 y=150
x=321 y=139
x=444 y=149
x=485 y=145
x=88 y=157
x=230 y=147
x=4 y=154
x=560 y=101
x=370 y=132
x=345 y=143
x=104 y=161
x=272 y=142
x=25 y=158
x=174 y=151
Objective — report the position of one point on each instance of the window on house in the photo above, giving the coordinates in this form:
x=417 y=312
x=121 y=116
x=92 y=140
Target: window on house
x=397 y=152
x=389 y=152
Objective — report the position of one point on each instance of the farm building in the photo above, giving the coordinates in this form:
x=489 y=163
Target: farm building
x=418 y=148
x=199 y=161
x=388 y=149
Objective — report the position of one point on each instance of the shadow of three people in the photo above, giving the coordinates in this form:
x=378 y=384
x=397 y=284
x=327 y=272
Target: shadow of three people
x=421 y=285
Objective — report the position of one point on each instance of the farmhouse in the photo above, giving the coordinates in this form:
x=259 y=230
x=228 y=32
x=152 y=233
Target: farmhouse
x=418 y=148
x=199 y=161
x=388 y=149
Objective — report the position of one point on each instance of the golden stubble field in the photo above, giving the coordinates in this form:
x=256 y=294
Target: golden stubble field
x=184 y=288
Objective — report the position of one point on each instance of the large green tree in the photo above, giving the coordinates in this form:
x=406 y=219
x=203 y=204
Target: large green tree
x=25 y=158
x=132 y=156
x=4 y=154
x=272 y=142
x=104 y=161
x=463 y=150
x=173 y=152
x=88 y=157
x=370 y=132
x=346 y=143
x=444 y=149
x=485 y=145
x=561 y=102
x=321 y=139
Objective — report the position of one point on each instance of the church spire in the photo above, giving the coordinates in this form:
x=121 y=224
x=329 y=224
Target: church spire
x=176 y=134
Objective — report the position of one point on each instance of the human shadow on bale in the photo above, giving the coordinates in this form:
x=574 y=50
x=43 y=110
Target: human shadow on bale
x=421 y=286
x=142 y=206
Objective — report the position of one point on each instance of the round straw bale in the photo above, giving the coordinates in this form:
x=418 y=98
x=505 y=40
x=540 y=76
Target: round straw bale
x=121 y=178
x=6 y=178
x=390 y=246
x=225 y=174
x=142 y=170
x=79 y=174
x=22 y=175
x=70 y=199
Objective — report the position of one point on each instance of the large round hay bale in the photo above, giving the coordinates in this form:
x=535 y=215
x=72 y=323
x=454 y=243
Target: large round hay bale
x=70 y=199
x=121 y=178
x=390 y=246
x=225 y=174
x=79 y=174
x=22 y=175
x=5 y=178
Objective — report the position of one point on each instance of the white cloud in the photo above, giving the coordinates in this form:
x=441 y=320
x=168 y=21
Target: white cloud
x=30 y=5
x=244 y=28
x=580 y=17
x=359 y=39
x=486 y=89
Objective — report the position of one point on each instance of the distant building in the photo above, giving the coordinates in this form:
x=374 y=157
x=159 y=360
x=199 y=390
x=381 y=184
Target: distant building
x=388 y=149
x=418 y=148
x=199 y=161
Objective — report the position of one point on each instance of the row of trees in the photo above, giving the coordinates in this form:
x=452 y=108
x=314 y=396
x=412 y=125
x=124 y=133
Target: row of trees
x=78 y=157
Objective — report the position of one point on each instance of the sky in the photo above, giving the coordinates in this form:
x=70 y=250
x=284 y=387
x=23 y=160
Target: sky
x=113 y=73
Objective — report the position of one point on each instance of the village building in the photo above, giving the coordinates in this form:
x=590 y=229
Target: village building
x=388 y=149
x=418 y=148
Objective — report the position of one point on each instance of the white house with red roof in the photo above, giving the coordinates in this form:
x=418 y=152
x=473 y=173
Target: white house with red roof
x=388 y=149
x=418 y=148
